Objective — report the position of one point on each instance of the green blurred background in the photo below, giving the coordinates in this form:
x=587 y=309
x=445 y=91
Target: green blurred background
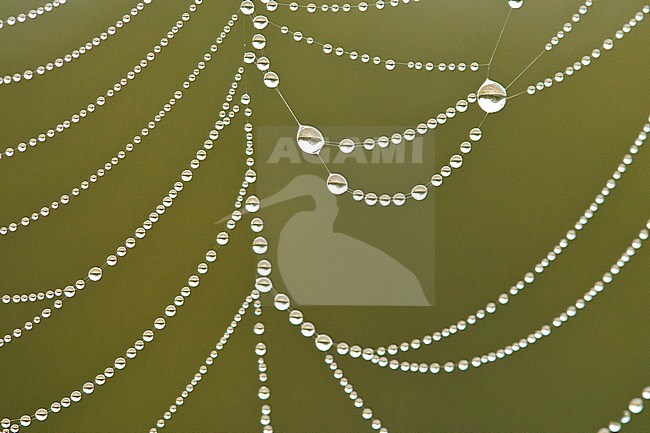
x=539 y=165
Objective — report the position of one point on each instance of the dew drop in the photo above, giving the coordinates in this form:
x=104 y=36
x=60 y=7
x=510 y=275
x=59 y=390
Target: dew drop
x=310 y=140
x=95 y=274
x=636 y=405
x=324 y=342
x=281 y=302
x=491 y=96
x=337 y=183
x=271 y=80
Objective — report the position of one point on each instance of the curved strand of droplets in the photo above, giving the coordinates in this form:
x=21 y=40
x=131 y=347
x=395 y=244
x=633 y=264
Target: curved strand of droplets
x=271 y=79
x=104 y=169
x=272 y=6
x=596 y=53
x=366 y=412
x=58 y=63
x=256 y=227
x=338 y=184
x=100 y=101
x=179 y=401
x=389 y=63
x=324 y=342
x=32 y=14
x=96 y=273
x=634 y=407
x=148 y=335
x=504 y=298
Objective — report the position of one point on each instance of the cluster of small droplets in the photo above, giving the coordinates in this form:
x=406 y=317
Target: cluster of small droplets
x=122 y=154
x=95 y=42
x=389 y=64
x=586 y=60
x=634 y=407
x=420 y=192
x=159 y=324
x=296 y=316
x=263 y=392
x=555 y=40
x=209 y=361
x=32 y=14
x=272 y=6
x=378 y=357
x=113 y=90
x=96 y=273
x=348 y=388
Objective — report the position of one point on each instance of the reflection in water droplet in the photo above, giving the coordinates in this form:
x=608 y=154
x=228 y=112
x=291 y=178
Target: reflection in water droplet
x=491 y=96
x=260 y=22
x=475 y=134
x=323 y=342
x=259 y=41
x=252 y=204
x=337 y=183
x=271 y=80
x=264 y=268
x=310 y=139
x=247 y=7
x=41 y=414
x=346 y=145
x=263 y=284
x=296 y=317
x=282 y=302
x=636 y=405
x=419 y=192
x=95 y=274
x=515 y=4
x=264 y=393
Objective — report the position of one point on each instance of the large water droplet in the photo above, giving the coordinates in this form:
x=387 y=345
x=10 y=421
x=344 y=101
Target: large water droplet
x=281 y=302
x=41 y=414
x=271 y=80
x=264 y=393
x=95 y=274
x=515 y=4
x=491 y=96
x=247 y=7
x=324 y=342
x=636 y=405
x=310 y=139
x=475 y=134
x=337 y=183
x=346 y=145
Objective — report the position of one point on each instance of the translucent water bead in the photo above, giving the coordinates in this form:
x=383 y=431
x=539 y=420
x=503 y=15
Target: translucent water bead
x=337 y=184
x=515 y=4
x=491 y=96
x=310 y=140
